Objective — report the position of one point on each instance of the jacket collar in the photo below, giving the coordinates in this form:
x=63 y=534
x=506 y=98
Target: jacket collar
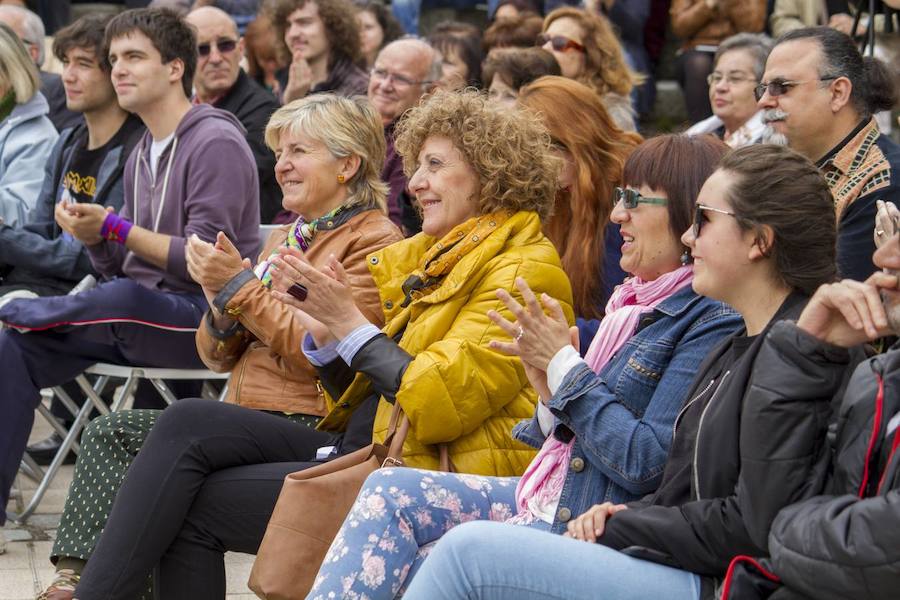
x=679 y=302
x=34 y=107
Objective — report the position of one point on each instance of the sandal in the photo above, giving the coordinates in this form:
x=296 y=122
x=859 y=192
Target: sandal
x=63 y=587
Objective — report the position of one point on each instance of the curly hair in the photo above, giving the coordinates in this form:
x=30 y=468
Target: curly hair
x=339 y=19
x=510 y=150
x=605 y=69
x=577 y=120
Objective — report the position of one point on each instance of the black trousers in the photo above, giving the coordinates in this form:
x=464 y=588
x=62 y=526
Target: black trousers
x=205 y=481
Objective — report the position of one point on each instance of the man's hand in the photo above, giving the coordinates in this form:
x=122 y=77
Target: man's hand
x=299 y=78
x=82 y=221
x=844 y=23
x=590 y=525
x=848 y=313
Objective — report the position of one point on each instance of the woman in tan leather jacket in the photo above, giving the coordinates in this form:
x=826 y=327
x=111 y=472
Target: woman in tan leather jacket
x=330 y=152
x=701 y=25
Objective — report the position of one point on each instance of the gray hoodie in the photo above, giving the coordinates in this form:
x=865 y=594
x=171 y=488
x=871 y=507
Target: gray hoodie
x=206 y=182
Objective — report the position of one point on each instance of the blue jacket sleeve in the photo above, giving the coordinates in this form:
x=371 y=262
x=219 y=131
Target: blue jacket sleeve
x=22 y=167
x=632 y=450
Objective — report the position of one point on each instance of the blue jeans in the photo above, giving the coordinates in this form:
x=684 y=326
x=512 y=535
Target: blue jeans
x=396 y=519
x=498 y=561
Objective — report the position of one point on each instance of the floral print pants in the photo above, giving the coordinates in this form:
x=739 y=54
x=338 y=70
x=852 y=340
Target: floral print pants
x=399 y=514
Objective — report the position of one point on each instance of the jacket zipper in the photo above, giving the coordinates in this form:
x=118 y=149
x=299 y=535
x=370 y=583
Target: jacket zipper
x=688 y=405
x=699 y=428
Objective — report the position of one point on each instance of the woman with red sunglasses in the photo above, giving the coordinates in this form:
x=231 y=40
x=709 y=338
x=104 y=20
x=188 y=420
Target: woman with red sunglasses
x=588 y=51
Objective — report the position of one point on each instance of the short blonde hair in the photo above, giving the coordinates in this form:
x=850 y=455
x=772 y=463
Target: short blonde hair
x=17 y=71
x=510 y=150
x=347 y=126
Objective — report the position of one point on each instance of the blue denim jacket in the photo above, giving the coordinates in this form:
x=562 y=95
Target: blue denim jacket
x=622 y=418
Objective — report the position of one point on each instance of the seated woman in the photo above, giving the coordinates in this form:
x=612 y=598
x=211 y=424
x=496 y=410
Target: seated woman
x=603 y=426
x=593 y=151
x=246 y=330
x=506 y=70
x=461 y=54
x=208 y=476
x=765 y=257
x=26 y=133
x=377 y=28
x=589 y=52
x=738 y=66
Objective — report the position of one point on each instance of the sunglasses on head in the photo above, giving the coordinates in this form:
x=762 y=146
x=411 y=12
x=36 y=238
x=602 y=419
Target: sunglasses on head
x=631 y=198
x=224 y=47
x=779 y=87
x=700 y=217
x=560 y=43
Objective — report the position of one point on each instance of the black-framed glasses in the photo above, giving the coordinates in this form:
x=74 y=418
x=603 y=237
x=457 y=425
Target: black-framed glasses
x=779 y=87
x=631 y=198
x=224 y=46
x=398 y=80
x=700 y=217
x=560 y=43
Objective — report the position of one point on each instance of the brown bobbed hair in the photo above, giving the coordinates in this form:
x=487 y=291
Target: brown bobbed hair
x=508 y=149
x=576 y=118
x=516 y=32
x=341 y=28
x=605 y=69
x=519 y=66
x=778 y=188
x=87 y=33
x=677 y=165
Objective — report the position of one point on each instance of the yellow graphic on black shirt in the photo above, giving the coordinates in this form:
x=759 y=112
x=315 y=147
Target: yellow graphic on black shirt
x=76 y=184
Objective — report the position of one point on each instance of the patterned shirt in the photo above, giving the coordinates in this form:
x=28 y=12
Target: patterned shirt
x=863 y=168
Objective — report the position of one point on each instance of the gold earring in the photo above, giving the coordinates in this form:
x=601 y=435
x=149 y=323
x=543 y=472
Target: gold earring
x=340 y=179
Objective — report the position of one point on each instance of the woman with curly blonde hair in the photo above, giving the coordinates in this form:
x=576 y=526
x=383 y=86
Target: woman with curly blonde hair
x=209 y=474
x=588 y=51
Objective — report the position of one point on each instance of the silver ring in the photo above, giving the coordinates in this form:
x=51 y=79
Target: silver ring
x=879 y=232
x=519 y=334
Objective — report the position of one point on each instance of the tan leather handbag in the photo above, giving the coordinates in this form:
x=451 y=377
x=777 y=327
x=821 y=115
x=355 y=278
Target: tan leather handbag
x=310 y=510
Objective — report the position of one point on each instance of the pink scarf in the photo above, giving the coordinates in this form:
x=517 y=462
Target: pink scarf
x=543 y=479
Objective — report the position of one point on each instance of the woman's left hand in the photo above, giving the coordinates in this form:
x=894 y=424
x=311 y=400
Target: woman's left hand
x=329 y=298
x=887 y=219
x=537 y=336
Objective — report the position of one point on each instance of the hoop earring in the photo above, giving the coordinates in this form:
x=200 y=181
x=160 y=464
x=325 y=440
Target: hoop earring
x=340 y=178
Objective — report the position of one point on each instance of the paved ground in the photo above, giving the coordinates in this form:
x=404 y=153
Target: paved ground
x=25 y=569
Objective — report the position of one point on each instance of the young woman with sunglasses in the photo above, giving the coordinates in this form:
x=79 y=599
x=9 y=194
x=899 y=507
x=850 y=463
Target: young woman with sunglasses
x=610 y=415
x=589 y=52
x=763 y=255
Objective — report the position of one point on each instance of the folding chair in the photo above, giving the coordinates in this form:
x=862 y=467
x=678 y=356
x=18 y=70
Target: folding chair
x=104 y=372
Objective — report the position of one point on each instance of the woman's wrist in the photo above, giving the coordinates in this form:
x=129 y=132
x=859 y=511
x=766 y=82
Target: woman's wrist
x=342 y=328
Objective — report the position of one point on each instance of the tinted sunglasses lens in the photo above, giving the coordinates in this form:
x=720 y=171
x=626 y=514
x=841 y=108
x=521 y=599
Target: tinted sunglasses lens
x=758 y=91
x=203 y=49
x=227 y=46
x=630 y=199
x=698 y=221
x=541 y=39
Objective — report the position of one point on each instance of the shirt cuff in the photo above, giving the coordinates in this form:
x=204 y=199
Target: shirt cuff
x=355 y=340
x=545 y=418
x=564 y=361
x=318 y=357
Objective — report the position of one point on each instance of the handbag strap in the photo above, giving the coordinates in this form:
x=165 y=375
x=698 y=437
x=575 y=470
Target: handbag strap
x=396 y=436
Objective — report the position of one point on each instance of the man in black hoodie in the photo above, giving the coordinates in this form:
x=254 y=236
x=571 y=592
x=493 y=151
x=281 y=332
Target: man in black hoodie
x=220 y=81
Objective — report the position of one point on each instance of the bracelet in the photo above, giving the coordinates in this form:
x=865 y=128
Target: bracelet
x=115 y=228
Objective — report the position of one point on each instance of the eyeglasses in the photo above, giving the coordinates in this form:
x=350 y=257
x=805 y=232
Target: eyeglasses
x=700 y=217
x=224 y=46
x=780 y=87
x=631 y=198
x=399 y=81
x=560 y=43
x=715 y=78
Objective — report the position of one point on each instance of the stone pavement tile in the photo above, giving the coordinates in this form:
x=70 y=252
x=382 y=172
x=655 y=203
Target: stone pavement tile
x=16 y=584
x=17 y=557
x=237 y=572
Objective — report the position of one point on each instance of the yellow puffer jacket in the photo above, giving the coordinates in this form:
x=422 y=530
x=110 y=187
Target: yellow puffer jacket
x=457 y=390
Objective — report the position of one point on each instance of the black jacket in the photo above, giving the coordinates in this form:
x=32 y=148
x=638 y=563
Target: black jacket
x=253 y=105
x=844 y=543
x=696 y=519
x=37 y=256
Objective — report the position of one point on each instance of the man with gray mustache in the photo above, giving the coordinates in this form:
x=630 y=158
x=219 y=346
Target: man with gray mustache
x=819 y=95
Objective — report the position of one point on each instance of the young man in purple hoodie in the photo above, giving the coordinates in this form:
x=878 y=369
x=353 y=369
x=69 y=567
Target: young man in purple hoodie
x=191 y=174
